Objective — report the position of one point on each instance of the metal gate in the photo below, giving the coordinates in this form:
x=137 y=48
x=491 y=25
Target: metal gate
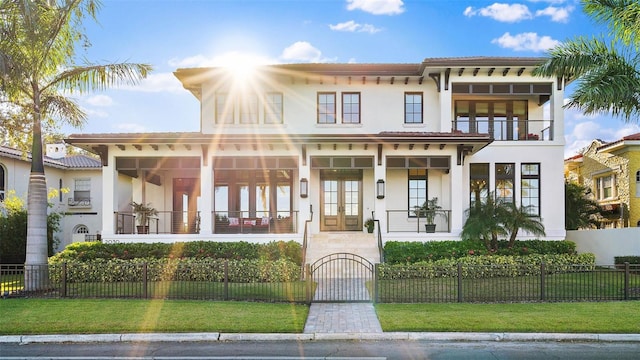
x=343 y=277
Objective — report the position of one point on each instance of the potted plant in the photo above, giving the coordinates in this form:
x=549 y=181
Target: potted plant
x=370 y=225
x=429 y=210
x=143 y=212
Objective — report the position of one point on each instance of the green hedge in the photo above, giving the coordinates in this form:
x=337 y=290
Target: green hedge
x=631 y=259
x=187 y=269
x=88 y=251
x=408 y=252
x=476 y=267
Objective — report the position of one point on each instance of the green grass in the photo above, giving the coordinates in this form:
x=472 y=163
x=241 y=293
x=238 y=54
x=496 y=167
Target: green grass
x=55 y=316
x=584 y=317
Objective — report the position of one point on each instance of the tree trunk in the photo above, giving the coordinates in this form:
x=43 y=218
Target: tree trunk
x=36 y=275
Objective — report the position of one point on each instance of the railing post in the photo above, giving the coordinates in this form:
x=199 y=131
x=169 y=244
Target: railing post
x=308 y=279
x=145 y=281
x=542 y=281
x=64 y=279
x=626 y=280
x=460 y=282
x=375 y=283
x=226 y=279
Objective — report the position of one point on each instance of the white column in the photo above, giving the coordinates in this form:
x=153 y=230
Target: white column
x=109 y=193
x=379 y=172
x=460 y=198
x=304 y=213
x=206 y=194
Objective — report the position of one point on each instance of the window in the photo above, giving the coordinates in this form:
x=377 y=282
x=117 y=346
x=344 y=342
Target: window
x=81 y=229
x=326 y=108
x=478 y=182
x=606 y=187
x=530 y=188
x=503 y=120
x=82 y=190
x=413 y=108
x=249 y=109
x=3 y=183
x=351 y=108
x=224 y=109
x=504 y=183
x=417 y=189
x=638 y=183
x=273 y=108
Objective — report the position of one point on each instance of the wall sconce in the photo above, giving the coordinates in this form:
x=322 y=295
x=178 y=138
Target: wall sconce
x=380 y=189
x=304 y=187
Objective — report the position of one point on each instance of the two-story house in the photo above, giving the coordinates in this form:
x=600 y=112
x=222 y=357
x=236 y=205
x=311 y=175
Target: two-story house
x=302 y=151
x=611 y=170
x=74 y=182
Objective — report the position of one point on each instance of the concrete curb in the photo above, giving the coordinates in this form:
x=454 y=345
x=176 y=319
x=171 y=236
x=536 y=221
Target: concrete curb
x=410 y=336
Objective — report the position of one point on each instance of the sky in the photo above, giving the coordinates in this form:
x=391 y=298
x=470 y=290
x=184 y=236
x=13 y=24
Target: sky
x=172 y=34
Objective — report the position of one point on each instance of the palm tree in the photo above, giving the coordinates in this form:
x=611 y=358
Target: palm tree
x=37 y=71
x=485 y=221
x=519 y=217
x=580 y=211
x=608 y=74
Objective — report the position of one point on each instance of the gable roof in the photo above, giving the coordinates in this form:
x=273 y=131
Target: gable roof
x=633 y=139
x=67 y=162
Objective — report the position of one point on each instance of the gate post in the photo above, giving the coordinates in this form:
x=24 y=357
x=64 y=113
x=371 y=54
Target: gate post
x=375 y=283
x=307 y=282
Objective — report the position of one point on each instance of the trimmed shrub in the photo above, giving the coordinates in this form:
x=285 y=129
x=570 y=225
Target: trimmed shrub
x=476 y=267
x=631 y=259
x=407 y=252
x=88 y=251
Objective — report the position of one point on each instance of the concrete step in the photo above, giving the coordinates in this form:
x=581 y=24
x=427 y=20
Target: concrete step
x=359 y=243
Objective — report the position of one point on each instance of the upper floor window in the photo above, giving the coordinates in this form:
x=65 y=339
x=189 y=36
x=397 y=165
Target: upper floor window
x=224 y=109
x=351 y=108
x=530 y=188
x=82 y=189
x=504 y=183
x=503 y=120
x=273 y=108
x=417 y=189
x=249 y=109
x=413 y=108
x=478 y=182
x=326 y=108
x=3 y=183
x=606 y=187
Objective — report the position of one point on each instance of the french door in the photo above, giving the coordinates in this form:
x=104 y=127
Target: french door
x=341 y=200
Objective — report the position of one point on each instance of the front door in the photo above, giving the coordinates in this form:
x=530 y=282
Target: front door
x=185 y=206
x=341 y=200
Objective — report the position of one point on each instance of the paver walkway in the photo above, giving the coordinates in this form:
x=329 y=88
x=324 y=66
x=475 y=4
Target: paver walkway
x=342 y=318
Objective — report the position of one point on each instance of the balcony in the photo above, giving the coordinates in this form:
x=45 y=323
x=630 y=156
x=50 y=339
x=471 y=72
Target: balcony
x=507 y=130
x=240 y=222
x=79 y=203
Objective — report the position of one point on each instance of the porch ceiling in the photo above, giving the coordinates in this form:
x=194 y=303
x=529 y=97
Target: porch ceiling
x=98 y=143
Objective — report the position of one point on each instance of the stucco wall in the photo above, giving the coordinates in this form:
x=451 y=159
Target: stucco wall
x=607 y=243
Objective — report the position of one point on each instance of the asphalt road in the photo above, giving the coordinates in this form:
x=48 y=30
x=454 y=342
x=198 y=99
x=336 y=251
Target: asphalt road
x=337 y=349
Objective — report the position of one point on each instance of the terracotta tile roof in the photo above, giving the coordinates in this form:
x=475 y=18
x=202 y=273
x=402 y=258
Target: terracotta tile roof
x=632 y=137
x=575 y=157
x=68 y=162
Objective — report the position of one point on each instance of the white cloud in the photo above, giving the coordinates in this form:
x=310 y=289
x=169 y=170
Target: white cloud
x=352 y=26
x=377 y=7
x=130 y=128
x=225 y=59
x=525 y=42
x=158 y=82
x=556 y=14
x=303 y=51
x=595 y=127
x=501 y=12
x=91 y=113
x=99 y=100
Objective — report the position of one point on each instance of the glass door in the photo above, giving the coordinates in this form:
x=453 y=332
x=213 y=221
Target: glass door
x=341 y=201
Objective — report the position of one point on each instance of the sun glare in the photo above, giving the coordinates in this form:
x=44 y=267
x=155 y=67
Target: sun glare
x=241 y=66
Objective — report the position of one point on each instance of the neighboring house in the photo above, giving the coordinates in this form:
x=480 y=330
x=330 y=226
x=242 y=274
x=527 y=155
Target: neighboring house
x=612 y=172
x=323 y=147
x=79 y=174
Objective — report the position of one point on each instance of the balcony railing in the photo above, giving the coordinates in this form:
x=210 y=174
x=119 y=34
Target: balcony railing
x=241 y=222
x=166 y=222
x=507 y=130
x=79 y=203
x=407 y=221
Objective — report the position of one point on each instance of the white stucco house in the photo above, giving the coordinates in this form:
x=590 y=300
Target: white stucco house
x=77 y=180
x=304 y=151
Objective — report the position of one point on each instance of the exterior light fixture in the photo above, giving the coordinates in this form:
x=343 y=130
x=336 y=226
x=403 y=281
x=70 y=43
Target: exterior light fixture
x=304 y=187
x=380 y=189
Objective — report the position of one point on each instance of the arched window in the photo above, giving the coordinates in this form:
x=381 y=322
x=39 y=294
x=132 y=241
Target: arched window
x=638 y=183
x=81 y=229
x=3 y=182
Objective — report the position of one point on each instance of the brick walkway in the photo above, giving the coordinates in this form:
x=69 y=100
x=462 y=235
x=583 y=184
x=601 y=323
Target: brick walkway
x=342 y=318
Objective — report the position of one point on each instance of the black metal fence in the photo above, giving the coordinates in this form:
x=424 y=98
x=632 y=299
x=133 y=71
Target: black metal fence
x=224 y=280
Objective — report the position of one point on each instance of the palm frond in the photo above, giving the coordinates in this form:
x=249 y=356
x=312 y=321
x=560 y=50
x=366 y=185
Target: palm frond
x=101 y=77
x=64 y=109
x=621 y=16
